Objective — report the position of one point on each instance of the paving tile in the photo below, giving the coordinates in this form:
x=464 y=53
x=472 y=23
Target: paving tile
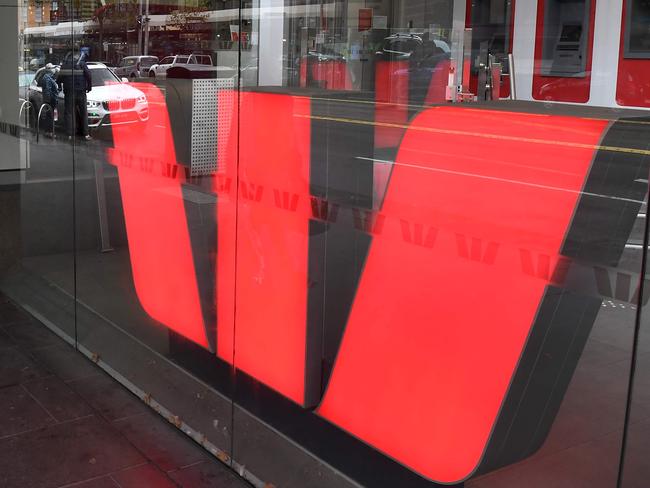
x=58 y=398
x=63 y=454
x=636 y=471
x=66 y=363
x=208 y=474
x=161 y=442
x=146 y=476
x=10 y=314
x=5 y=340
x=19 y=412
x=103 y=482
x=16 y=367
x=108 y=397
x=31 y=335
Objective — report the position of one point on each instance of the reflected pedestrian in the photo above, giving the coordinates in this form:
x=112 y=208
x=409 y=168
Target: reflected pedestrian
x=77 y=82
x=50 y=93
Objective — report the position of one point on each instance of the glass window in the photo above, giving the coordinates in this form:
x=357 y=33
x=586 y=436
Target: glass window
x=637 y=35
x=382 y=243
x=565 y=37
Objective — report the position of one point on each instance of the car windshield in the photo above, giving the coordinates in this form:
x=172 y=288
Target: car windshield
x=103 y=76
x=128 y=62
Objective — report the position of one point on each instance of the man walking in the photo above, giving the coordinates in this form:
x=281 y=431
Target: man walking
x=77 y=82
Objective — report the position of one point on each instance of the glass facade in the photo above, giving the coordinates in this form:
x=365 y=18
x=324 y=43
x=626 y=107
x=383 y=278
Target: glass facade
x=345 y=243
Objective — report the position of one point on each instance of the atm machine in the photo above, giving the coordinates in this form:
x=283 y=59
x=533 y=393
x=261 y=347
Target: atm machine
x=568 y=54
x=565 y=32
x=563 y=50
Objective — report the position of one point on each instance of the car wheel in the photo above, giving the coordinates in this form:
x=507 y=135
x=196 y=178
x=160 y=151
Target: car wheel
x=152 y=74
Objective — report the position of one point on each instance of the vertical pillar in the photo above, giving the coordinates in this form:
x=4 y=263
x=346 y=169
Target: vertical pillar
x=270 y=26
x=10 y=156
x=458 y=38
x=13 y=154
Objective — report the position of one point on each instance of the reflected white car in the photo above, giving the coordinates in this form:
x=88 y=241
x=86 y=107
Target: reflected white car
x=110 y=95
x=193 y=61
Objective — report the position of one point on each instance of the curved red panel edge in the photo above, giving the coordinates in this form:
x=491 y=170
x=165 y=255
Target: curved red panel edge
x=443 y=310
x=156 y=224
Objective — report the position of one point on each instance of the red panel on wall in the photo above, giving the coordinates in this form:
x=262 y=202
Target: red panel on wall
x=633 y=84
x=333 y=75
x=559 y=88
x=272 y=242
x=443 y=308
x=437 y=90
x=156 y=224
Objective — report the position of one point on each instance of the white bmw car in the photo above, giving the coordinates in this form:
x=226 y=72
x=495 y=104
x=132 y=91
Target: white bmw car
x=110 y=95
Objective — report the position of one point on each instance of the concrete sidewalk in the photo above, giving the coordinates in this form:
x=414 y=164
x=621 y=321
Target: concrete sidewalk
x=65 y=423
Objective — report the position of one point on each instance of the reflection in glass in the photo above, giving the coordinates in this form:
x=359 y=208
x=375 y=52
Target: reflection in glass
x=637 y=35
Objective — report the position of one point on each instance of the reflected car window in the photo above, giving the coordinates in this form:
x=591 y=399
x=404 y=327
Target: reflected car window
x=147 y=62
x=103 y=76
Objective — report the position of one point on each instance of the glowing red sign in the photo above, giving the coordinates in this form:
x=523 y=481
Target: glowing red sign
x=469 y=189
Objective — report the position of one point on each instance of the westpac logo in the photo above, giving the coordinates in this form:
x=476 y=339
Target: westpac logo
x=450 y=269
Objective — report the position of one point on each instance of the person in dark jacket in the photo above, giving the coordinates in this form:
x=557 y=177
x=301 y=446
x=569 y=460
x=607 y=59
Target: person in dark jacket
x=77 y=82
x=50 y=94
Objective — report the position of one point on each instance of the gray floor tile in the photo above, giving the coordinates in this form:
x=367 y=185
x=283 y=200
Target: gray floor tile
x=103 y=482
x=16 y=367
x=20 y=412
x=66 y=363
x=10 y=314
x=636 y=471
x=161 y=442
x=208 y=475
x=58 y=398
x=146 y=476
x=5 y=340
x=63 y=454
x=108 y=397
x=31 y=335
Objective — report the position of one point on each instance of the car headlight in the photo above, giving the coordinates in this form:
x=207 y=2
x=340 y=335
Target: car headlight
x=93 y=104
x=142 y=99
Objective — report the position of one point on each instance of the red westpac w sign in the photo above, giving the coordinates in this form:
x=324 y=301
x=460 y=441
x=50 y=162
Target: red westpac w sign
x=438 y=364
